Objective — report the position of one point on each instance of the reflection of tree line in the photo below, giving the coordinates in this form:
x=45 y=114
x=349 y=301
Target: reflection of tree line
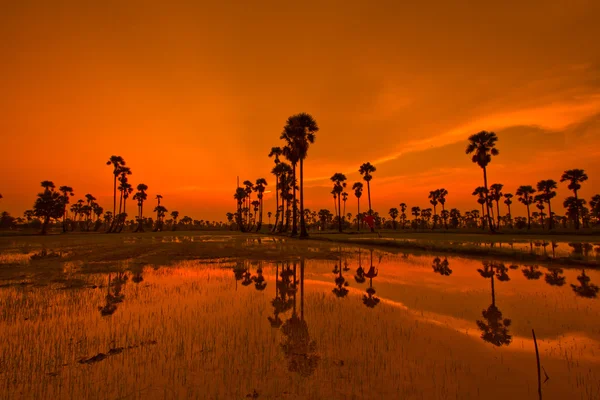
x=494 y=327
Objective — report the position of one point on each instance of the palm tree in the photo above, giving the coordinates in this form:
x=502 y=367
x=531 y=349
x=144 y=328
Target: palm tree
x=259 y=188
x=117 y=162
x=575 y=177
x=496 y=195
x=434 y=196
x=526 y=197
x=416 y=211
x=442 y=193
x=299 y=132
x=249 y=188
x=595 y=207
x=160 y=211
x=276 y=152
x=358 y=188
x=174 y=215
x=67 y=192
x=573 y=205
x=366 y=170
x=240 y=195
x=481 y=193
x=483 y=144
x=403 y=211
x=140 y=196
x=508 y=201
x=546 y=187
x=339 y=184
x=281 y=171
x=394 y=214
x=344 y=198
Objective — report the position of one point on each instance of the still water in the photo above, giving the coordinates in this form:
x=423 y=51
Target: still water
x=371 y=325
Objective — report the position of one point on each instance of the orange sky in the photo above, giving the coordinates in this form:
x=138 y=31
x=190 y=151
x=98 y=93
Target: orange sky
x=192 y=94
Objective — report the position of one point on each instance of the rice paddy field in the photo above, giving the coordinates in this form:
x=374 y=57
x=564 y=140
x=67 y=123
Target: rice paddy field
x=228 y=316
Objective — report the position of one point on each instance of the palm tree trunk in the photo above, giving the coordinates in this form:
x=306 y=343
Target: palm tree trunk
x=340 y=213
x=487 y=204
x=434 y=217
x=550 y=215
x=576 y=211
x=528 y=218
x=294 y=215
x=303 y=232
x=274 y=228
x=358 y=216
x=498 y=214
x=493 y=293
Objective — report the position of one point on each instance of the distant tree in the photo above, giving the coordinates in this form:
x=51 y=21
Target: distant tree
x=595 y=207
x=433 y=200
x=339 y=183
x=575 y=177
x=50 y=204
x=403 y=216
x=260 y=187
x=117 y=162
x=442 y=193
x=481 y=193
x=358 y=189
x=526 y=196
x=67 y=193
x=394 y=214
x=366 y=170
x=574 y=207
x=508 y=201
x=240 y=195
x=416 y=211
x=483 y=144
x=495 y=195
x=344 y=198
x=174 y=215
x=547 y=193
x=140 y=196
x=276 y=152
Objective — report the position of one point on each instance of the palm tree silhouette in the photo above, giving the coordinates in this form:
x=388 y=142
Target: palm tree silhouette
x=573 y=206
x=140 y=196
x=442 y=193
x=441 y=267
x=481 y=193
x=283 y=170
x=483 y=144
x=299 y=133
x=260 y=187
x=585 y=288
x=239 y=196
x=496 y=195
x=526 y=197
x=358 y=188
x=174 y=215
x=416 y=211
x=67 y=192
x=575 y=177
x=508 y=201
x=434 y=196
x=554 y=278
x=340 y=282
x=117 y=162
x=339 y=184
x=595 y=207
x=494 y=329
x=366 y=170
x=394 y=214
x=276 y=152
x=546 y=187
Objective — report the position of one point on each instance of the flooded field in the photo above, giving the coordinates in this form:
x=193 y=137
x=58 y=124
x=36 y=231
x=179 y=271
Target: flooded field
x=365 y=324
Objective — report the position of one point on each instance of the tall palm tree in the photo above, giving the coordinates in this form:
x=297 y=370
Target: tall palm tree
x=366 y=170
x=442 y=193
x=260 y=187
x=299 y=132
x=546 y=187
x=291 y=154
x=67 y=192
x=403 y=211
x=575 y=177
x=433 y=200
x=526 y=197
x=358 y=188
x=481 y=193
x=508 y=201
x=496 y=195
x=140 y=196
x=240 y=196
x=249 y=187
x=483 y=144
x=339 y=183
x=276 y=152
x=117 y=162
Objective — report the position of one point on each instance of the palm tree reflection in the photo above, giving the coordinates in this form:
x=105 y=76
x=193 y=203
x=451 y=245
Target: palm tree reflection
x=554 y=277
x=585 y=288
x=298 y=348
x=531 y=272
x=495 y=328
x=370 y=300
x=114 y=296
x=441 y=267
x=340 y=282
x=359 y=277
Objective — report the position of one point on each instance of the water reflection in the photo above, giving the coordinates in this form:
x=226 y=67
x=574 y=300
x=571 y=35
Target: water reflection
x=494 y=329
x=585 y=288
x=441 y=267
x=340 y=282
x=114 y=294
x=554 y=277
x=370 y=300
